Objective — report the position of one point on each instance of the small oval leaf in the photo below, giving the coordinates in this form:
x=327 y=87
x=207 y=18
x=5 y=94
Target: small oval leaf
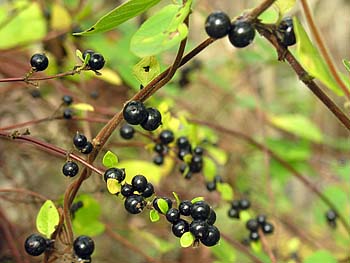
x=197 y=199
x=83 y=107
x=47 y=218
x=163 y=205
x=113 y=186
x=110 y=160
x=154 y=215
x=209 y=169
x=146 y=70
x=187 y=239
x=225 y=191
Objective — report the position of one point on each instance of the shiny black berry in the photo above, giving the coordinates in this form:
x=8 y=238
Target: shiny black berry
x=331 y=215
x=134 y=204
x=199 y=228
x=244 y=204
x=182 y=153
x=185 y=207
x=217 y=25
x=159 y=148
x=153 y=120
x=87 y=148
x=35 y=245
x=252 y=225
x=139 y=183
x=127 y=132
x=200 y=210
x=96 y=61
x=211 y=186
x=166 y=136
x=254 y=236
x=39 y=62
x=67 y=113
x=127 y=190
x=88 y=51
x=212 y=217
x=212 y=237
x=233 y=213
x=241 y=34
x=172 y=215
x=158 y=160
x=235 y=204
x=70 y=169
x=149 y=191
x=135 y=112
x=180 y=227
x=79 y=141
x=155 y=203
x=196 y=164
x=183 y=143
x=83 y=246
x=286 y=31
x=67 y=100
x=268 y=228
x=114 y=173
x=261 y=219
x=198 y=150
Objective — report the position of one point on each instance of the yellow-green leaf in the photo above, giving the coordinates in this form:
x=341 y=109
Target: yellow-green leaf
x=209 y=169
x=163 y=205
x=47 y=218
x=284 y=6
x=187 y=239
x=83 y=107
x=113 y=186
x=109 y=76
x=110 y=160
x=146 y=70
x=60 y=18
x=154 y=215
x=225 y=191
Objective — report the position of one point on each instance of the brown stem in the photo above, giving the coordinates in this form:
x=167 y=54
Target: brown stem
x=266 y=246
x=315 y=32
x=23 y=192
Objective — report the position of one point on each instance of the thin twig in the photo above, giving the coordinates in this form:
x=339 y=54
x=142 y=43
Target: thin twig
x=266 y=246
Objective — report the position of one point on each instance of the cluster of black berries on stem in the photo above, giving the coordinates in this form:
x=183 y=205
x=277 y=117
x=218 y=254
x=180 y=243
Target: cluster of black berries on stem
x=82 y=144
x=96 y=60
x=259 y=222
x=162 y=146
x=237 y=206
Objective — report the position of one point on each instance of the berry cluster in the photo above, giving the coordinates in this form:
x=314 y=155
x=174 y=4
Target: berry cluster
x=36 y=244
x=259 y=222
x=39 y=62
x=286 y=32
x=67 y=112
x=96 y=60
x=240 y=32
x=82 y=144
x=237 y=206
x=135 y=113
x=331 y=217
x=162 y=146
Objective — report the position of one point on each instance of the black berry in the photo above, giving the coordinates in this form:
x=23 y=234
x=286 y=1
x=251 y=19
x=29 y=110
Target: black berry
x=67 y=100
x=149 y=191
x=135 y=112
x=185 y=207
x=261 y=219
x=35 y=245
x=79 y=141
x=218 y=179
x=200 y=210
x=241 y=34
x=114 y=173
x=166 y=136
x=127 y=190
x=39 y=62
x=183 y=143
x=217 y=25
x=199 y=228
x=127 y=132
x=83 y=246
x=139 y=183
x=244 y=204
x=159 y=148
x=196 y=164
x=254 y=236
x=211 y=186
x=88 y=51
x=87 y=148
x=182 y=153
x=212 y=217
x=252 y=225
x=235 y=204
x=153 y=120
x=212 y=237
x=180 y=227
x=267 y=228
x=331 y=215
x=172 y=215
x=287 y=32
x=67 y=113
x=198 y=150
x=233 y=213
x=96 y=61
x=158 y=160
x=134 y=204
x=70 y=169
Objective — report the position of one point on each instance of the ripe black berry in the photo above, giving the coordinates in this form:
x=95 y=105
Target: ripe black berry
x=233 y=213
x=149 y=190
x=159 y=148
x=83 y=246
x=235 y=204
x=241 y=34
x=127 y=132
x=87 y=148
x=244 y=204
x=212 y=237
x=153 y=120
x=155 y=203
x=196 y=164
x=198 y=150
x=287 y=32
x=139 y=183
x=135 y=112
x=127 y=190
x=180 y=227
x=114 y=173
x=268 y=228
x=261 y=219
x=252 y=225
x=70 y=169
x=79 y=140
x=185 y=207
x=212 y=217
x=96 y=61
x=134 y=204
x=182 y=153
x=182 y=167
x=88 y=51
x=189 y=175
x=331 y=215
x=166 y=136
x=211 y=186
x=183 y=143
x=158 y=160
x=35 y=245
x=67 y=100
x=254 y=236
x=217 y=25
x=172 y=215
x=218 y=179
x=67 y=113
x=199 y=228
x=200 y=210
x=39 y=62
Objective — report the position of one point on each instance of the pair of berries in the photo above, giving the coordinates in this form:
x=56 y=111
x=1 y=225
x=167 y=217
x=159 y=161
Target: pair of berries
x=240 y=33
x=161 y=148
x=211 y=185
x=96 y=60
x=82 y=144
x=259 y=222
x=136 y=113
x=237 y=206
x=68 y=112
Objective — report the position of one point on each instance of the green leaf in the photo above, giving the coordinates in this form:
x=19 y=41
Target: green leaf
x=83 y=107
x=244 y=216
x=224 y=251
x=323 y=256
x=311 y=59
x=177 y=198
x=146 y=70
x=86 y=220
x=79 y=54
x=346 y=64
x=162 y=31
x=298 y=125
x=113 y=186
x=163 y=205
x=209 y=169
x=256 y=246
x=47 y=219
x=197 y=199
x=218 y=154
x=119 y=15
x=110 y=160
x=270 y=16
x=187 y=239
x=225 y=191
x=154 y=215
x=290 y=150
x=337 y=196
x=284 y=6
